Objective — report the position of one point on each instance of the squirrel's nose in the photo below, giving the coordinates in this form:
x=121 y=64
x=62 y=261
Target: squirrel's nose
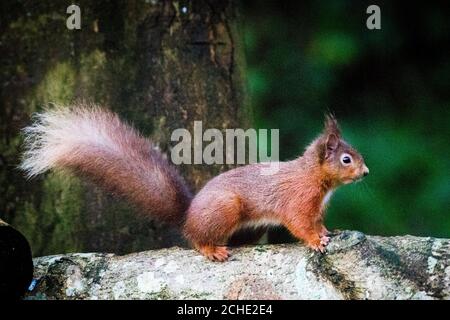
x=365 y=171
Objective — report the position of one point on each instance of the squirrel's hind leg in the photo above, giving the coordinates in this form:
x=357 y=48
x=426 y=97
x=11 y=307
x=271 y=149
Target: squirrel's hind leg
x=210 y=221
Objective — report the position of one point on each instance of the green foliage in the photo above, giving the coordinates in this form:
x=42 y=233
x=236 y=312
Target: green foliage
x=388 y=88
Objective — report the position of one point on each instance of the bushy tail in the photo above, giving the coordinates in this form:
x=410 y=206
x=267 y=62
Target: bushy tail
x=93 y=142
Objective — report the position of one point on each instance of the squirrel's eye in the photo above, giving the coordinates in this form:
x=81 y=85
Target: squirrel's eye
x=346 y=159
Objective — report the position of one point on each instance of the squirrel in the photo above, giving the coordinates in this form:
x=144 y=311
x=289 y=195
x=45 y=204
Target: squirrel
x=93 y=142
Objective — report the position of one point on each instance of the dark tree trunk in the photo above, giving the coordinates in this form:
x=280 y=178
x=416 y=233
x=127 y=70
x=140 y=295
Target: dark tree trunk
x=161 y=65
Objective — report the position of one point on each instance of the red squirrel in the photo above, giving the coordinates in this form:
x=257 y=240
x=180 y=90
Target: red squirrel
x=93 y=142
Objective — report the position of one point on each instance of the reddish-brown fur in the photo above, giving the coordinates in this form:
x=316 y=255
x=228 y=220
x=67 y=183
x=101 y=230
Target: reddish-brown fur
x=292 y=197
x=128 y=164
x=95 y=143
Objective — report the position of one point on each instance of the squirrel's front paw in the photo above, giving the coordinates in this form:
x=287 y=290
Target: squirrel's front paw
x=324 y=240
x=319 y=244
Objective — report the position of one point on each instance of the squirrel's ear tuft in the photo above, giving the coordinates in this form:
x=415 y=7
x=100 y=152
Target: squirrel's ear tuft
x=331 y=125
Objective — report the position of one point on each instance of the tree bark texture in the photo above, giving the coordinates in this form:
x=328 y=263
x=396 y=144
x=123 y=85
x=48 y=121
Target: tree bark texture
x=159 y=64
x=355 y=266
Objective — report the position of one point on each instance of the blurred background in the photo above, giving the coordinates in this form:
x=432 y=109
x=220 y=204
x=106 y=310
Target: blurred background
x=389 y=88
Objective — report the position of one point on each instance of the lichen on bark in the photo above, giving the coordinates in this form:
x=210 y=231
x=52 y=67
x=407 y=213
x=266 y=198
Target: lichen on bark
x=355 y=266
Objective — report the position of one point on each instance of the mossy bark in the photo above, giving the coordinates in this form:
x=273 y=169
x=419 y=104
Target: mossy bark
x=355 y=266
x=159 y=64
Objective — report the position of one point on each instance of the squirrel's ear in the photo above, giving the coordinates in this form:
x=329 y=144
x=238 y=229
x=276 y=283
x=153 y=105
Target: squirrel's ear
x=327 y=146
x=331 y=144
x=331 y=125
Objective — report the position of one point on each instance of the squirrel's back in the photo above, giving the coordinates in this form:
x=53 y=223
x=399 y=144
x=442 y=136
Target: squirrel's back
x=95 y=143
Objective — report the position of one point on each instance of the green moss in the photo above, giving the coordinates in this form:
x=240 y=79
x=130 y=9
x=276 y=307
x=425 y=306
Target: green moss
x=51 y=223
x=28 y=223
x=92 y=76
x=58 y=86
x=60 y=213
x=111 y=67
x=54 y=226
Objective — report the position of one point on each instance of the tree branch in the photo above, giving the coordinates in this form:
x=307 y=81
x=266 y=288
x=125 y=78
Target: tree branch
x=355 y=267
